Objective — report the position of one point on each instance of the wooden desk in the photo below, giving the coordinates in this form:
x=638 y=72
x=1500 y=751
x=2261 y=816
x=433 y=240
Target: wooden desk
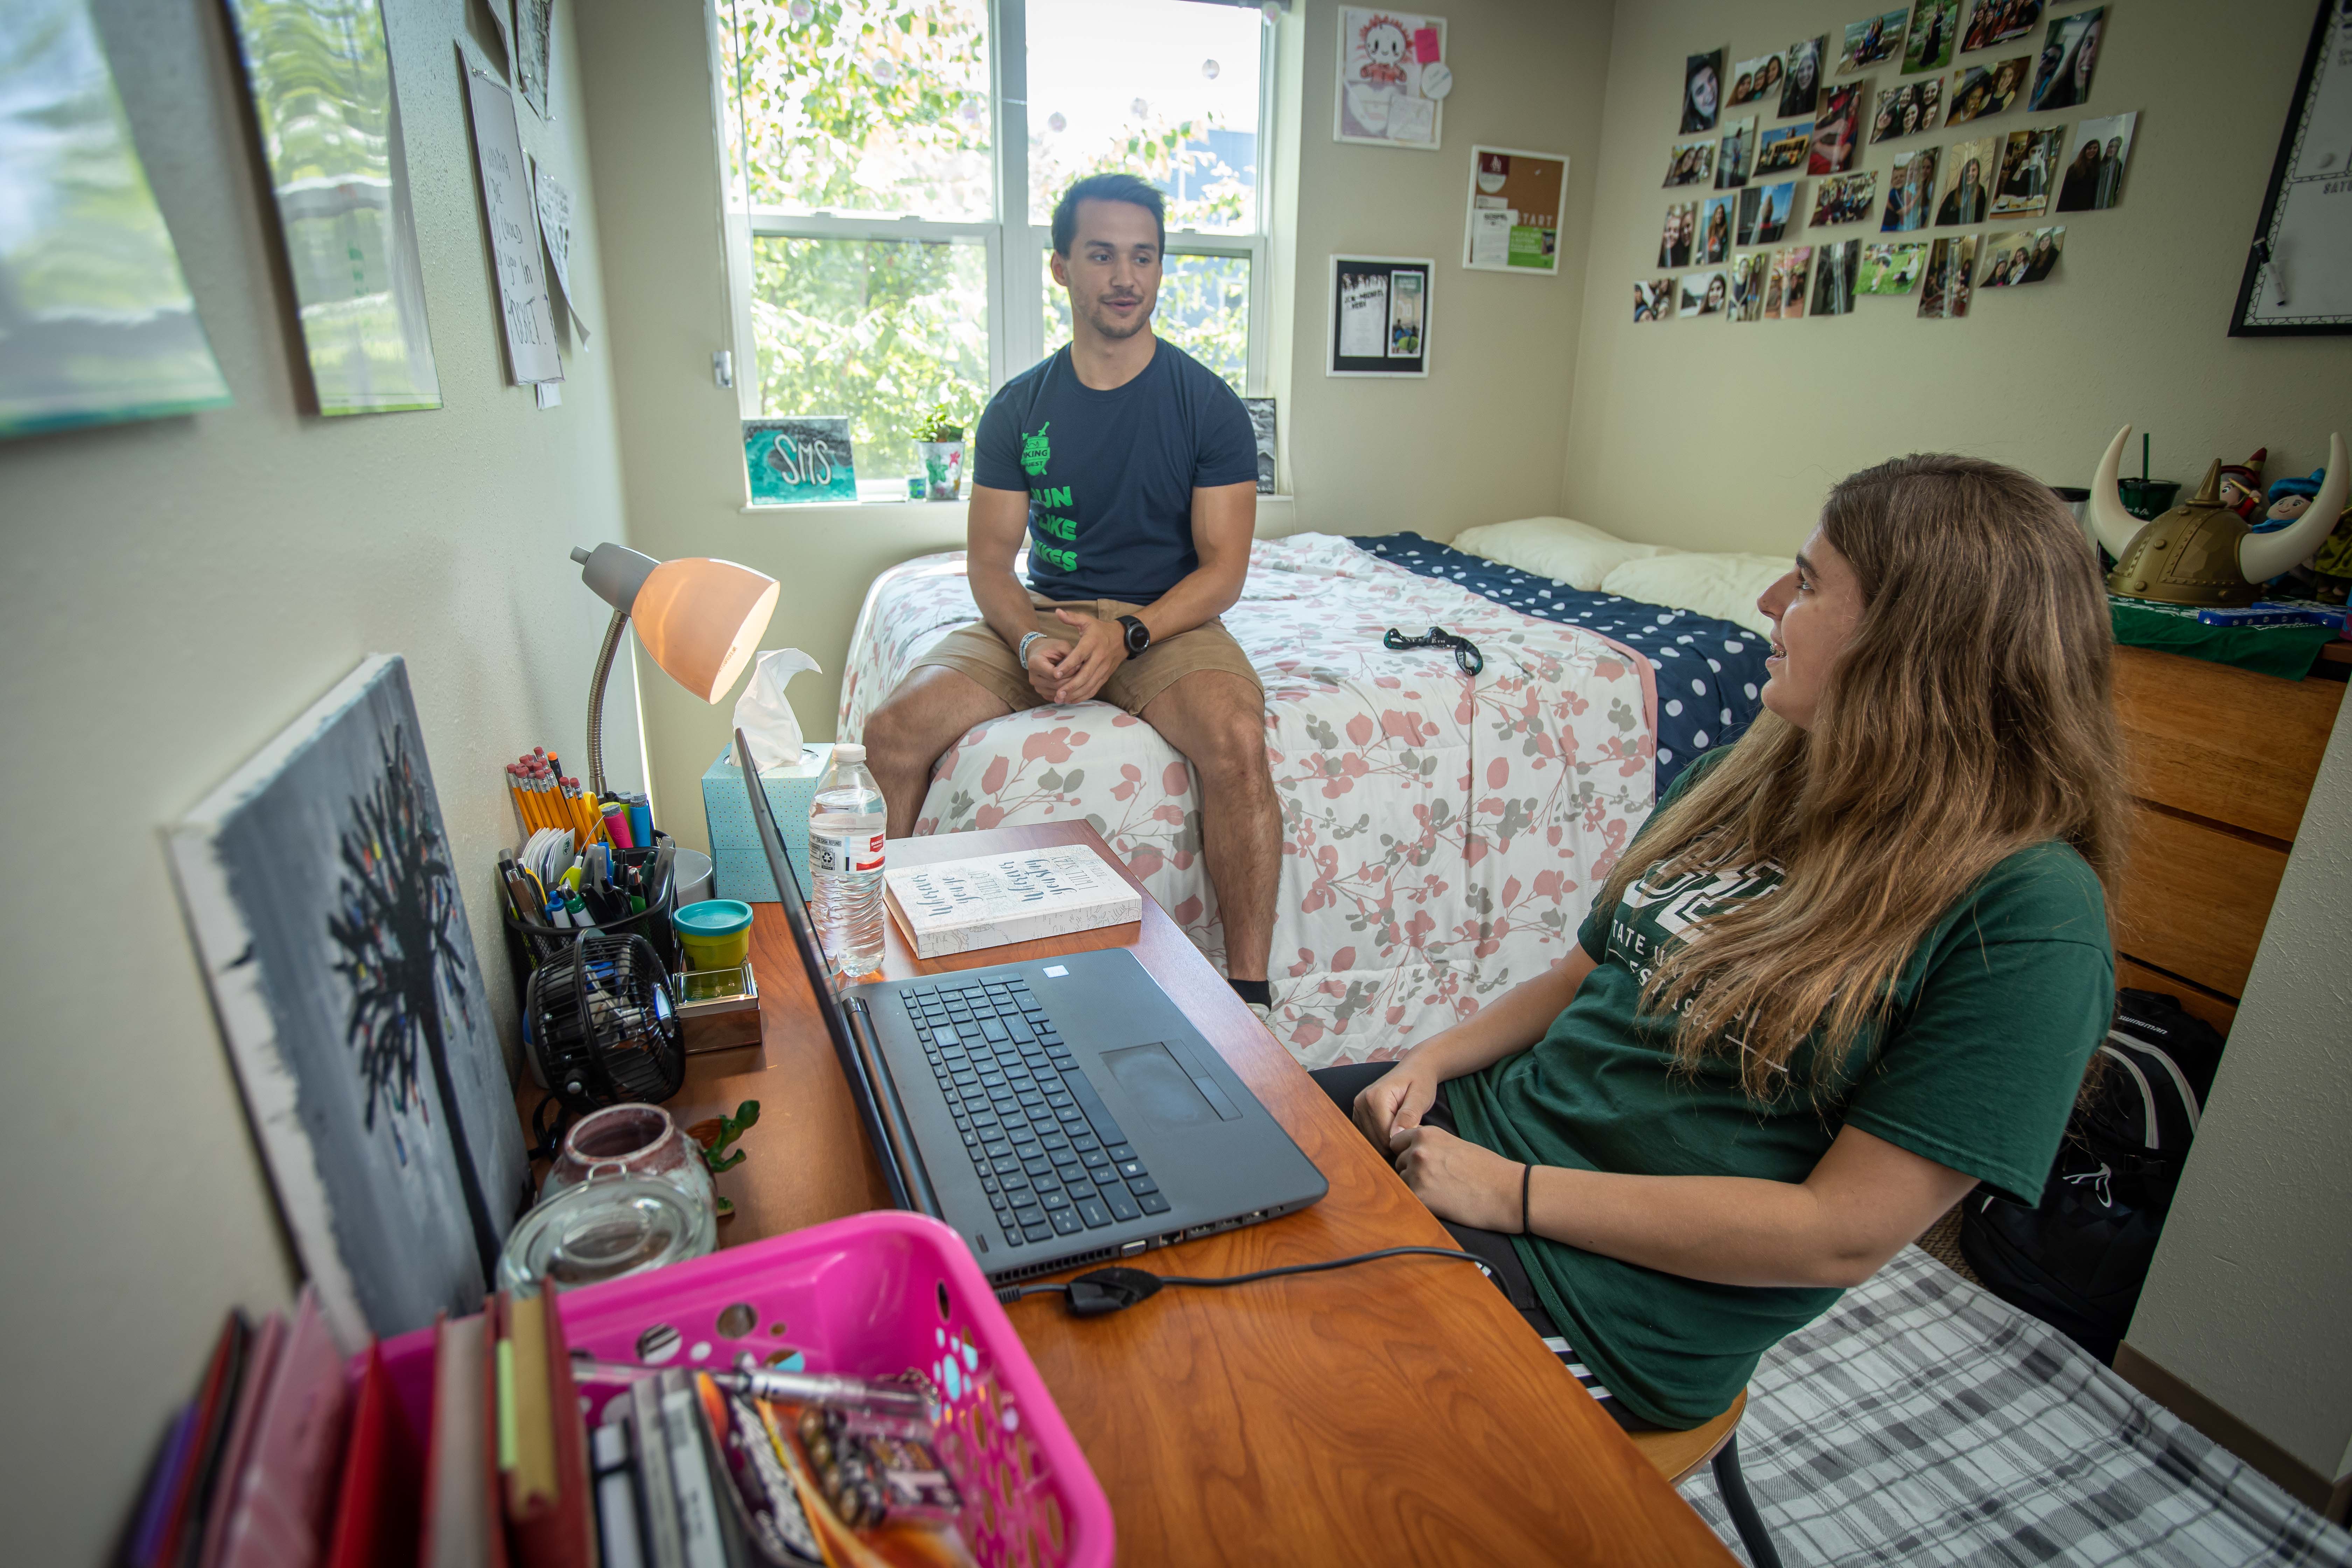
x=1399 y=1412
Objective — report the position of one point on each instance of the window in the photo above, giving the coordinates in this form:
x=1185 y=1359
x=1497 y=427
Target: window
x=894 y=165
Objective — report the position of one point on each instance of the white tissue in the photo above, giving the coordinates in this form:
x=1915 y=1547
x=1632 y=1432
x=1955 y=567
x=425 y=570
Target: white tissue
x=764 y=715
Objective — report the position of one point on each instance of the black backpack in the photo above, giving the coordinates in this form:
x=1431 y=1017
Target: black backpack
x=2078 y=1260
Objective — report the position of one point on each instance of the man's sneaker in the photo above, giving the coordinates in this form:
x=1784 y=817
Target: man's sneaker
x=1262 y=1013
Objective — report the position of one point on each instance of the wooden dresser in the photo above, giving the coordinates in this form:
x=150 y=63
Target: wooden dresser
x=2221 y=761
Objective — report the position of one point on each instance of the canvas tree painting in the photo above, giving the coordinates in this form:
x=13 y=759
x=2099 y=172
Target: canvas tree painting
x=323 y=896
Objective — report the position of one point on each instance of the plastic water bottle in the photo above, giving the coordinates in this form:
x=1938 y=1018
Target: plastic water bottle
x=846 y=835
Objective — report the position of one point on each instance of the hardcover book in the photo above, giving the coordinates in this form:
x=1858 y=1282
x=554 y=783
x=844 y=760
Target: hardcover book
x=991 y=899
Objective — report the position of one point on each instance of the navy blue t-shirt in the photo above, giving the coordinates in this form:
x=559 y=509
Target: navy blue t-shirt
x=1111 y=475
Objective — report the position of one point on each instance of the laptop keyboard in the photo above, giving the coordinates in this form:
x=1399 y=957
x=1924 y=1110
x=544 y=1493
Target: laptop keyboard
x=1051 y=1157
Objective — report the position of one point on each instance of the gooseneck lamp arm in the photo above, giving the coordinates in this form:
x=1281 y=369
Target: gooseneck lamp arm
x=700 y=620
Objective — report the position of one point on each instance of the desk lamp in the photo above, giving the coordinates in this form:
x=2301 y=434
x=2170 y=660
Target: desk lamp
x=700 y=619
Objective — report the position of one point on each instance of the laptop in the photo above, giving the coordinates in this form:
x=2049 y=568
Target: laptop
x=1056 y=1112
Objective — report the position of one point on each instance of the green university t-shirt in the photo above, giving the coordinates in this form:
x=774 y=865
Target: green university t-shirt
x=1996 y=1013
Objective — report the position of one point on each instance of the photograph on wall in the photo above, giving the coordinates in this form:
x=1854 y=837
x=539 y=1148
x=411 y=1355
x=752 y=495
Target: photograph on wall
x=1981 y=90
x=1654 y=299
x=1935 y=33
x=1764 y=212
x=1845 y=198
x=1702 y=90
x=1907 y=110
x=2024 y=256
x=2027 y=163
x=1674 y=239
x=1261 y=417
x=1690 y=162
x=321 y=78
x=1891 y=269
x=99 y=325
x=1800 y=83
x=1792 y=269
x=1783 y=151
x=1749 y=272
x=1380 y=310
x=1968 y=175
x=1835 y=267
x=1382 y=56
x=1944 y=286
x=1752 y=80
x=1515 y=202
x=1834 y=130
x=322 y=892
x=1731 y=162
x=1703 y=293
x=1910 y=192
x=806 y=458
x=1998 y=21
x=2070 y=53
x=1872 y=41
x=1714 y=246
x=2093 y=180
x=534 y=25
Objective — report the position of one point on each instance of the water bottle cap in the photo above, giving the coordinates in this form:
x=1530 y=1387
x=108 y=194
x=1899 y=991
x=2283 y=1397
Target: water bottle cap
x=843 y=754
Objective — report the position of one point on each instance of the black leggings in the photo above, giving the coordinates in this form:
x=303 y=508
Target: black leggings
x=1491 y=1248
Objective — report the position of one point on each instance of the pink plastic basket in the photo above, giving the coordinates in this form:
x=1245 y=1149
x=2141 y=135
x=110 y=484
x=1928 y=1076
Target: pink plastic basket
x=876 y=1295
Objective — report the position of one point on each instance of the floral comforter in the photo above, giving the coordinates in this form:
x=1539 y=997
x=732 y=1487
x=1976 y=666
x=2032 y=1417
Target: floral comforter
x=1442 y=836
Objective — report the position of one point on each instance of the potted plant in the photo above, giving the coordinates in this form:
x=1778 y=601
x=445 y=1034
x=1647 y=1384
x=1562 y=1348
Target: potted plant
x=938 y=446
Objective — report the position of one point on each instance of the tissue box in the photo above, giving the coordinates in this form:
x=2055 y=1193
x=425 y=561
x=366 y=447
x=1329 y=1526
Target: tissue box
x=739 y=865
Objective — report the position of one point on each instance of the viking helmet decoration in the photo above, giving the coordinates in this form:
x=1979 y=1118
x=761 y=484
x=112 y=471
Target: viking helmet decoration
x=2201 y=553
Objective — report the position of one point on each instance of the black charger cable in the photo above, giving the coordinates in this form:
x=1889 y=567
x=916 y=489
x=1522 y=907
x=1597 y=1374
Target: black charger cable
x=1101 y=1291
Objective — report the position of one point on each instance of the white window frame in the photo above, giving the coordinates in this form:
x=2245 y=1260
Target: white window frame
x=1017 y=297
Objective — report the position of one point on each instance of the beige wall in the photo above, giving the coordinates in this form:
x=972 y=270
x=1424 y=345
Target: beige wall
x=2249 y=1302
x=175 y=592
x=1480 y=440
x=1712 y=435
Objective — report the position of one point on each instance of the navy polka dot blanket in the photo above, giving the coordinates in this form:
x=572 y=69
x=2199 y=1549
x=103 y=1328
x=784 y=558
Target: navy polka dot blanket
x=1708 y=671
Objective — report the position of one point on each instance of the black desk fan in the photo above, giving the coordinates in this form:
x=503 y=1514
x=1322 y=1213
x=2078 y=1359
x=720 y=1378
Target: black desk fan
x=603 y=1025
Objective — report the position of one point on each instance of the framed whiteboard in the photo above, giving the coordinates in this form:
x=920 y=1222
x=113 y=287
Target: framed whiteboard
x=2298 y=277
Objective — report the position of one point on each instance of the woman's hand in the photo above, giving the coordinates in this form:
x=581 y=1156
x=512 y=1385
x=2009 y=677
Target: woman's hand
x=1396 y=1099
x=1459 y=1181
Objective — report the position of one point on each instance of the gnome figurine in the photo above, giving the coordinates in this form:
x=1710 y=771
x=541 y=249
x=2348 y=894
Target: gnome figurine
x=2242 y=485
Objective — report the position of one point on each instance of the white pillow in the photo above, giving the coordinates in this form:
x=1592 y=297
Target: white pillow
x=1725 y=587
x=1576 y=553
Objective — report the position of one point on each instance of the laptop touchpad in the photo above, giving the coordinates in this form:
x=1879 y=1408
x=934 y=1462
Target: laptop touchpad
x=1160 y=1087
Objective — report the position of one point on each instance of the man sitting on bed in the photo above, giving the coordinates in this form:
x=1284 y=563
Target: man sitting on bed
x=1133 y=472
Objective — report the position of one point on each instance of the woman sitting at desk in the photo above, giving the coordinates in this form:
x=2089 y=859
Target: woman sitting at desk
x=1852 y=966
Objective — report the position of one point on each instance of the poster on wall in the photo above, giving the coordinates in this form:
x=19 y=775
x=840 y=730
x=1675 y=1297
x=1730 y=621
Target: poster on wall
x=512 y=218
x=321 y=890
x=1379 y=316
x=2296 y=279
x=320 y=76
x=1392 y=79
x=100 y=326
x=1515 y=202
x=534 y=27
x=807 y=459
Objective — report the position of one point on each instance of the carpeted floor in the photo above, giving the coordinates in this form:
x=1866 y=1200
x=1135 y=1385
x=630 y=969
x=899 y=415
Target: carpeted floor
x=1942 y=1243
x=1923 y=1420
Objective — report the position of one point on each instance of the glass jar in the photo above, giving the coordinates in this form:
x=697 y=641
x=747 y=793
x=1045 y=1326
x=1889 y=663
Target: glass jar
x=603 y=1229
x=633 y=1141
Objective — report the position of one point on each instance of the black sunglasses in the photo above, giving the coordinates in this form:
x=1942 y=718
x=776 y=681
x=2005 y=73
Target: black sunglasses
x=1465 y=652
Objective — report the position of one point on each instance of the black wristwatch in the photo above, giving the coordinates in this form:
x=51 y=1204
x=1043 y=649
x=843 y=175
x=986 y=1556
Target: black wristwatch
x=1138 y=635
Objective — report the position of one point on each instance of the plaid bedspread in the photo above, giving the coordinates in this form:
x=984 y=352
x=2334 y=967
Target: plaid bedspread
x=1923 y=1420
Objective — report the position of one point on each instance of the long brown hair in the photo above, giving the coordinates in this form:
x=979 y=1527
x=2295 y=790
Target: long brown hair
x=1969 y=718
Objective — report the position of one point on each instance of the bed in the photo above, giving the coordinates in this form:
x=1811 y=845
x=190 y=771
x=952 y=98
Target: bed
x=1442 y=836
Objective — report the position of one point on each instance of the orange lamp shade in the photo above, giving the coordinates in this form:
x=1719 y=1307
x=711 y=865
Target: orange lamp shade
x=701 y=621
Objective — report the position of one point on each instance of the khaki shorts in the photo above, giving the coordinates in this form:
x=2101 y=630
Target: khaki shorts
x=978 y=653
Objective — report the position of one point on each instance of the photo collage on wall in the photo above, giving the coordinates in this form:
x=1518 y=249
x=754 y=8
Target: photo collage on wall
x=1948 y=134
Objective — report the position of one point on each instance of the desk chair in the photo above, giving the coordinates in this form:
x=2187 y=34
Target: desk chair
x=1678 y=1455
